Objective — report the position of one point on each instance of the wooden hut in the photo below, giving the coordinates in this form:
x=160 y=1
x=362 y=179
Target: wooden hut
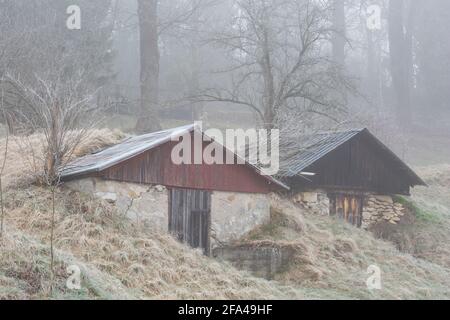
x=349 y=173
x=199 y=203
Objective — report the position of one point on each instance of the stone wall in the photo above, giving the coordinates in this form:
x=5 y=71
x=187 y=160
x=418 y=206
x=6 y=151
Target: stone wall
x=141 y=203
x=379 y=208
x=262 y=260
x=376 y=208
x=316 y=202
x=232 y=214
x=235 y=214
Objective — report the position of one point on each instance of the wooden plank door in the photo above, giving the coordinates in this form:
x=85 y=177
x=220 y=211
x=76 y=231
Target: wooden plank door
x=190 y=217
x=347 y=207
x=356 y=210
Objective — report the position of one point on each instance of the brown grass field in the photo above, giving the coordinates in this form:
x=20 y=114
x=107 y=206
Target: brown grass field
x=121 y=260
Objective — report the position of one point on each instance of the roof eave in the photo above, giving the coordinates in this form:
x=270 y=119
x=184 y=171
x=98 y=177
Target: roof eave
x=127 y=156
x=117 y=160
x=417 y=180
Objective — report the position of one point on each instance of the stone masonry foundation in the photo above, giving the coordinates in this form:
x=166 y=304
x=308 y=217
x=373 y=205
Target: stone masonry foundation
x=232 y=214
x=381 y=208
x=376 y=208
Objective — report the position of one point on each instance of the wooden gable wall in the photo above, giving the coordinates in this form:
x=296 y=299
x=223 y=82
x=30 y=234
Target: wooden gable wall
x=155 y=167
x=358 y=164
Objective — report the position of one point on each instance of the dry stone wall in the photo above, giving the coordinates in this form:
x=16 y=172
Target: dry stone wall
x=376 y=208
x=316 y=202
x=381 y=209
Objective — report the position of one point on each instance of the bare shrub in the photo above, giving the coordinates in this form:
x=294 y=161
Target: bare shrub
x=61 y=110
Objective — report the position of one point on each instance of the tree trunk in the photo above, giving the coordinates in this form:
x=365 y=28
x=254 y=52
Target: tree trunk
x=409 y=49
x=339 y=32
x=269 y=90
x=374 y=81
x=400 y=49
x=149 y=53
x=197 y=111
x=194 y=85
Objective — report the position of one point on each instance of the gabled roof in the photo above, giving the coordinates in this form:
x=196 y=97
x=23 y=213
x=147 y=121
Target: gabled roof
x=130 y=148
x=296 y=154
x=120 y=152
x=300 y=153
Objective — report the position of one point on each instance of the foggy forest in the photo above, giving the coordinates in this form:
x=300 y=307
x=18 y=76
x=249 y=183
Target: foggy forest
x=358 y=92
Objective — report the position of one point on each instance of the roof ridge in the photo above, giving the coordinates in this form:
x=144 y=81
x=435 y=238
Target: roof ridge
x=318 y=146
x=162 y=131
x=132 y=147
x=338 y=131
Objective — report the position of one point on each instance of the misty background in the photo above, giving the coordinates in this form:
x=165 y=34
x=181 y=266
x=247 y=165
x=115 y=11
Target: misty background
x=296 y=65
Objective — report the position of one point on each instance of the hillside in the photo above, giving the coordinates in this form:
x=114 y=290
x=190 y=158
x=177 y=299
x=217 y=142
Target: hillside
x=121 y=260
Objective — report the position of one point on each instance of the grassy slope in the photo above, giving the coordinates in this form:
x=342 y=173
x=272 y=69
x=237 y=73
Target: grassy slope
x=120 y=260
x=333 y=258
x=139 y=264
x=429 y=236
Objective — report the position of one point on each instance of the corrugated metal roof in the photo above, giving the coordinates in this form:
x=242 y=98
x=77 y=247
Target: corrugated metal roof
x=300 y=153
x=130 y=148
x=120 y=152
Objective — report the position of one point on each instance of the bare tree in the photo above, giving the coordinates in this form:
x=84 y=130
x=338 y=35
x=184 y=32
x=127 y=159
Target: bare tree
x=400 y=49
x=35 y=39
x=156 y=20
x=62 y=115
x=278 y=64
x=339 y=26
x=374 y=60
x=149 y=54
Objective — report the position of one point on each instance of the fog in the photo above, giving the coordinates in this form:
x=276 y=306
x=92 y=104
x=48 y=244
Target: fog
x=294 y=65
x=302 y=146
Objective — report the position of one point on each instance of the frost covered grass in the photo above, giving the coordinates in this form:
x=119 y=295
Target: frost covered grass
x=120 y=259
x=147 y=265
x=333 y=258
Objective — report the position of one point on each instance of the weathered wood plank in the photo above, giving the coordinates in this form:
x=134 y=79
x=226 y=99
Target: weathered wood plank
x=190 y=217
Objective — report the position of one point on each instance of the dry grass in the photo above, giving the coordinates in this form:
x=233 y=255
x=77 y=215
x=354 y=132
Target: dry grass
x=25 y=273
x=98 y=140
x=425 y=233
x=22 y=163
x=148 y=265
x=428 y=236
x=435 y=197
x=122 y=260
x=332 y=259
